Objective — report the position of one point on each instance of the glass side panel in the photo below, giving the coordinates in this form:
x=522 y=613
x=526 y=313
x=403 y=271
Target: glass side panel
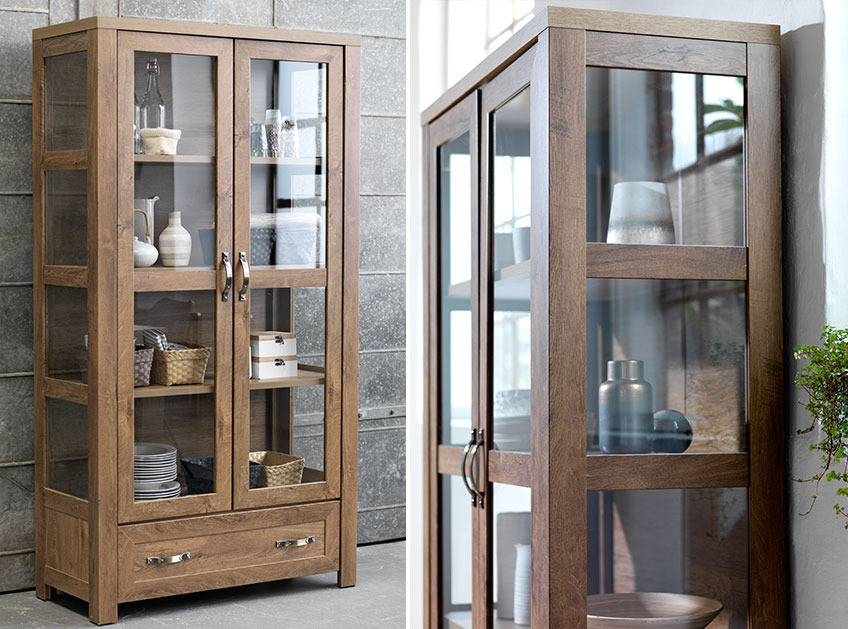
x=67 y=447
x=67 y=217
x=510 y=217
x=512 y=551
x=287 y=440
x=67 y=333
x=665 y=158
x=175 y=142
x=66 y=113
x=666 y=363
x=692 y=541
x=456 y=552
x=455 y=289
x=288 y=152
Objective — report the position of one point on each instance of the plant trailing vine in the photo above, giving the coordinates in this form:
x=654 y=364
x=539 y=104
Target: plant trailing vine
x=825 y=379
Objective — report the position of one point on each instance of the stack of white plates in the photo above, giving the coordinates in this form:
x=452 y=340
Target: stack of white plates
x=155 y=471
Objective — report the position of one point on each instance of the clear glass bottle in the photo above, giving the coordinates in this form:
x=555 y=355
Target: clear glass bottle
x=138 y=145
x=152 y=104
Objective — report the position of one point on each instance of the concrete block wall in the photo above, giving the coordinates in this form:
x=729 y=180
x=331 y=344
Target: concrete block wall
x=382 y=317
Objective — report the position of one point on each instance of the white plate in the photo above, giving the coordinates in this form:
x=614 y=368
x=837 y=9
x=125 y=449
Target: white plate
x=157 y=487
x=153 y=451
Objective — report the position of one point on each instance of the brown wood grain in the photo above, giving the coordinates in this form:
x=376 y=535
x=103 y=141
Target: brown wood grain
x=511 y=468
x=65 y=275
x=65 y=503
x=666 y=471
x=283 y=278
x=766 y=429
x=690 y=262
x=674 y=54
x=55 y=45
x=67 y=583
x=172 y=279
x=67 y=544
x=449 y=460
x=196 y=28
x=76 y=392
x=76 y=159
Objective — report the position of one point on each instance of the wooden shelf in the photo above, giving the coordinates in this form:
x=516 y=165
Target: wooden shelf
x=306 y=376
x=666 y=471
x=174 y=159
x=672 y=262
x=160 y=390
x=287 y=161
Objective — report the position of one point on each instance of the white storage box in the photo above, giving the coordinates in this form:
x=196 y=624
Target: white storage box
x=274 y=367
x=270 y=344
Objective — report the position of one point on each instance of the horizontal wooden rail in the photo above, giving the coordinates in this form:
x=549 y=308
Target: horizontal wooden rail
x=666 y=471
x=661 y=262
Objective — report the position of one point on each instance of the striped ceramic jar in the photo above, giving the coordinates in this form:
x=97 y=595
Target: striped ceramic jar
x=175 y=243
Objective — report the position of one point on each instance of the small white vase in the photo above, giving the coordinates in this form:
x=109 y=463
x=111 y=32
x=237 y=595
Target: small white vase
x=640 y=214
x=521 y=597
x=175 y=243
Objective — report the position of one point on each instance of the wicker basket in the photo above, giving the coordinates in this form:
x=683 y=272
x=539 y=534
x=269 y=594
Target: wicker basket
x=279 y=469
x=143 y=359
x=180 y=366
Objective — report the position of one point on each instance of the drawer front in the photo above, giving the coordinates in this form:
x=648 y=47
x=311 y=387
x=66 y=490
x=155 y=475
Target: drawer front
x=208 y=552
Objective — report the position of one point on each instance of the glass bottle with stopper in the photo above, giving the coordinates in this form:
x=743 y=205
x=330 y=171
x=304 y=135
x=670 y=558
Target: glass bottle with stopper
x=152 y=104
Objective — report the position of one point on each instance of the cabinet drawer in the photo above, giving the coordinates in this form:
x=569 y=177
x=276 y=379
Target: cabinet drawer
x=208 y=552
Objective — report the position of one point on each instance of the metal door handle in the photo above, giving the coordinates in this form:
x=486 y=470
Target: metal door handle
x=246 y=274
x=481 y=442
x=465 y=452
x=283 y=543
x=228 y=282
x=171 y=559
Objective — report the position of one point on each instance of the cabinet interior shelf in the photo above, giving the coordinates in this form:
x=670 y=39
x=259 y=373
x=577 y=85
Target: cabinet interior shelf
x=306 y=376
x=174 y=159
x=287 y=161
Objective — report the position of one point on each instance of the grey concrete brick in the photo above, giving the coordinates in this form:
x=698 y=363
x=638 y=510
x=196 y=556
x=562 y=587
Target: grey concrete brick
x=16 y=413
x=16 y=329
x=252 y=12
x=382 y=238
x=383 y=143
x=17 y=572
x=16 y=51
x=382 y=312
x=15 y=238
x=383 y=76
x=382 y=379
x=309 y=316
x=386 y=18
x=380 y=525
x=25 y=4
x=16 y=147
x=382 y=467
x=87 y=8
x=62 y=11
x=194 y=10
x=17 y=517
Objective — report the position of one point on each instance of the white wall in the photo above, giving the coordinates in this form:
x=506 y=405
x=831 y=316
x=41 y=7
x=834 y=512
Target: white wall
x=815 y=153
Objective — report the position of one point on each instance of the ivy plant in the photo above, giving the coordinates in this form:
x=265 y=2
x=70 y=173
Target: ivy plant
x=825 y=380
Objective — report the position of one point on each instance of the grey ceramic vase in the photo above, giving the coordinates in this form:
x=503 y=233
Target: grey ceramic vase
x=625 y=414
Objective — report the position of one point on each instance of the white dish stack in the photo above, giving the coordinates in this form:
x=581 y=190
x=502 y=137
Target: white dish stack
x=155 y=471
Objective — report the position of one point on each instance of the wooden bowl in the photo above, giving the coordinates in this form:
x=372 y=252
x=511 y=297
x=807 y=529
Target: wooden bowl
x=651 y=609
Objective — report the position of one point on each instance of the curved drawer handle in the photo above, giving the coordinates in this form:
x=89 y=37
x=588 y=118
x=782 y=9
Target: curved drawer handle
x=464 y=468
x=283 y=543
x=228 y=282
x=171 y=559
x=246 y=274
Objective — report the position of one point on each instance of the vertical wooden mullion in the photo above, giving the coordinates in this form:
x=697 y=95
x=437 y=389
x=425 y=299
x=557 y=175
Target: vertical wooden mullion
x=558 y=306
x=431 y=368
x=102 y=312
x=766 y=494
x=350 y=346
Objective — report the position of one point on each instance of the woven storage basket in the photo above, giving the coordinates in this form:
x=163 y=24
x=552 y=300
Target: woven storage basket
x=279 y=468
x=143 y=361
x=180 y=366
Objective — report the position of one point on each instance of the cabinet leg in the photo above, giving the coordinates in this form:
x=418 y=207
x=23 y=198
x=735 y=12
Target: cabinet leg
x=43 y=591
x=347 y=575
x=103 y=614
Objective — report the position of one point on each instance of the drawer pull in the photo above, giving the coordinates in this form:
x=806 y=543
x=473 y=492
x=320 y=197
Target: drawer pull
x=283 y=543
x=172 y=559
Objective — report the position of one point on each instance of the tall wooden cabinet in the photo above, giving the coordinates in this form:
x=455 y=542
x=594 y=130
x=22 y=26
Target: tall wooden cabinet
x=604 y=243
x=274 y=247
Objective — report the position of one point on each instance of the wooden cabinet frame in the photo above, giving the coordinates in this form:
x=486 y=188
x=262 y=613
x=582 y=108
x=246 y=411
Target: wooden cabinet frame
x=551 y=54
x=83 y=546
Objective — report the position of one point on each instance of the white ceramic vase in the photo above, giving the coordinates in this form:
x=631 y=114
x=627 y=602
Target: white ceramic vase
x=175 y=243
x=640 y=214
x=521 y=597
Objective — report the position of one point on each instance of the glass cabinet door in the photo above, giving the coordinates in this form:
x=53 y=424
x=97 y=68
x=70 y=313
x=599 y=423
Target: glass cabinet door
x=288 y=269
x=175 y=270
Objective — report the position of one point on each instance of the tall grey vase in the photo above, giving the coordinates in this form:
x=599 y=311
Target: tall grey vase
x=625 y=409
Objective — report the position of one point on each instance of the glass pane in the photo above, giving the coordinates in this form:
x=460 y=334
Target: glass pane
x=66 y=114
x=510 y=173
x=185 y=426
x=511 y=519
x=456 y=261
x=287 y=437
x=288 y=150
x=666 y=366
x=692 y=541
x=175 y=179
x=67 y=217
x=67 y=447
x=67 y=333
x=455 y=586
x=664 y=157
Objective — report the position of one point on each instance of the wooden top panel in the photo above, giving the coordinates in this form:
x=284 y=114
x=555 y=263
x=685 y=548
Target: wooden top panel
x=195 y=28
x=600 y=21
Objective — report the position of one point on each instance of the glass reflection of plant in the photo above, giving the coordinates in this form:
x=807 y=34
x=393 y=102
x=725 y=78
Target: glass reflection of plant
x=825 y=379
x=735 y=118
